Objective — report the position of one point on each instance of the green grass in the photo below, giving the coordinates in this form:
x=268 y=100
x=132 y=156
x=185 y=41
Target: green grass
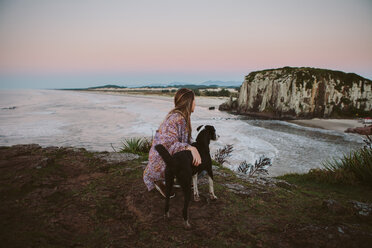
x=352 y=168
x=312 y=186
x=262 y=219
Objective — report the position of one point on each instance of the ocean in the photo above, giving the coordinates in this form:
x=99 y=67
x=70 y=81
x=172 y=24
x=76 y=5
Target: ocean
x=98 y=121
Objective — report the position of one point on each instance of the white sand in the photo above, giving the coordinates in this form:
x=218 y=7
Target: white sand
x=331 y=124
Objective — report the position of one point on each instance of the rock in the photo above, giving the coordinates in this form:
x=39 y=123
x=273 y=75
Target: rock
x=259 y=180
x=238 y=189
x=52 y=149
x=75 y=149
x=28 y=147
x=230 y=105
x=42 y=163
x=334 y=206
x=13 y=107
x=287 y=92
x=363 y=209
x=222 y=174
x=211 y=108
x=285 y=185
x=114 y=157
x=360 y=130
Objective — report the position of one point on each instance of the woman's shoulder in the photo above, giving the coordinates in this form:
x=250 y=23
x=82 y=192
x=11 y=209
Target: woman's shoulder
x=176 y=116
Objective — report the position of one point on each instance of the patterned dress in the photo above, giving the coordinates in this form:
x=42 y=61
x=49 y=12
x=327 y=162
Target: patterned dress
x=172 y=134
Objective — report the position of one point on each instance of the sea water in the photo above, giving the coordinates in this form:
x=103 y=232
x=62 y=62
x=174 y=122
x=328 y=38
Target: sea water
x=101 y=121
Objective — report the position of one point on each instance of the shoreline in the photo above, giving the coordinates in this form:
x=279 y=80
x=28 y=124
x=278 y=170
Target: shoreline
x=201 y=101
x=339 y=125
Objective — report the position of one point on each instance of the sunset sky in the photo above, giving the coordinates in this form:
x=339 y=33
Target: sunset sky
x=77 y=43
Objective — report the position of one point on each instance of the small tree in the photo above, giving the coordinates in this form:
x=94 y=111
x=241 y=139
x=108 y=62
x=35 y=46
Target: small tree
x=224 y=92
x=259 y=167
x=223 y=153
x=196 y=92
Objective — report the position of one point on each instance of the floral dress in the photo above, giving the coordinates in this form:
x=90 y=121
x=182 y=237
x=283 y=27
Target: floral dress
x=173 y=135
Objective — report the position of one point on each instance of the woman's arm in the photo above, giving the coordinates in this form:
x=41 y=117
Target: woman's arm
x=196 y=159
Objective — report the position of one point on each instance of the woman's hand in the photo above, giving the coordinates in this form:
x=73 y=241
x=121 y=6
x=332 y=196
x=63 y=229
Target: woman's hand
x=196 y=160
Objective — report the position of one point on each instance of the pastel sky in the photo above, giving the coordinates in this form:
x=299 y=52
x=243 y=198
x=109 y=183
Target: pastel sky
x=77 y=43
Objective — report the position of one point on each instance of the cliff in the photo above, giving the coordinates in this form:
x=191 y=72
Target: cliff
x=303 y=92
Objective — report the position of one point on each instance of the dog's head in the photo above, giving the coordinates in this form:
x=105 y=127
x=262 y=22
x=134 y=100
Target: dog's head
x=206 y=132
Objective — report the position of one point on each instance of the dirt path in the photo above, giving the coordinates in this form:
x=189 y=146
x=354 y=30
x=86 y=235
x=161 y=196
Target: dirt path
x=68 y=197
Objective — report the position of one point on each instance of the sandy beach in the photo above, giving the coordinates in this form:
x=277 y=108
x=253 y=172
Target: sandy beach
x=201 y=101
x=339 y=125
x=331 y=124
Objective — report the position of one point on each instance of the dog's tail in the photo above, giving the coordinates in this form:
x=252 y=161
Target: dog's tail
x=164 y=154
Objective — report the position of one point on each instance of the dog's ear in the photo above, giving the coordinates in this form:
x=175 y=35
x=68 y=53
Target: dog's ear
x=199 y=127
x=210 y=128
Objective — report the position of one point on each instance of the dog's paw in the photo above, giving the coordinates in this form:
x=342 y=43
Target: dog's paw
x=213 y=197
x=196 y=198
x=187 y=225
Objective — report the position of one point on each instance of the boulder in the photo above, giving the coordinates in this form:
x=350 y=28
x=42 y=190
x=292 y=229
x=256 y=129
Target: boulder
x=360 y=130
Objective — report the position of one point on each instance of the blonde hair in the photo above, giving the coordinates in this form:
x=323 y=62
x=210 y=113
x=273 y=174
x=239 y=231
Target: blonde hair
x=183 y=100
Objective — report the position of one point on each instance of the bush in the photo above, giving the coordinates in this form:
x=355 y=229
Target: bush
x=136 y=145
x=350 y=169
x=358 y=163
x=196 y=92
x=222 y=92
x=337 y=177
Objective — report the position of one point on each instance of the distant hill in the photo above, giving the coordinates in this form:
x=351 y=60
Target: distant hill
x=203 y=85
x=223 y=83
x=216 y=83
x=108 y=86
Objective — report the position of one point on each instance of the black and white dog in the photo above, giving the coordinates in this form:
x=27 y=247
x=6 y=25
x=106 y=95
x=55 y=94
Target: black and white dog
x=180 y=166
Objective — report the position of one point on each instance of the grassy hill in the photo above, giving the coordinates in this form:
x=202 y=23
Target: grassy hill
x=69 y=197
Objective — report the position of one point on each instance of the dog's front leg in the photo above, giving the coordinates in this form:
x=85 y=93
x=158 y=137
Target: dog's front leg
x=196 y=191
x=211 y=189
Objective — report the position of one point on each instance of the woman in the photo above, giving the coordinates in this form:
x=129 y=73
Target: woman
x=175 y=135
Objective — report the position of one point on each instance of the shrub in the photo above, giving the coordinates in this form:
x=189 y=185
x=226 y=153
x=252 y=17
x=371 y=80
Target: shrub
x=136 y=145
x=368 y=142
x=196 y=92
x=223 y=153
x=146 y=145
x=259 y=167
x=358 y=162
x=222 y=92
x=339 y=176
x=353 y=167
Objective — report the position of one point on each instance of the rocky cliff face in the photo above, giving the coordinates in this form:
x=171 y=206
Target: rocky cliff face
x=304 y=92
